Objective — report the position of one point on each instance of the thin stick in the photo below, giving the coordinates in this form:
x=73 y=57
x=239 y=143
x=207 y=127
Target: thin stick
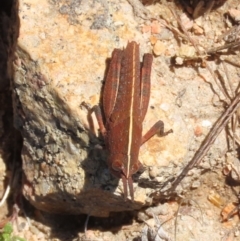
x=228 y=79
x=185 y=30
x=225 y=46
x=191 y=40
x=209 y=140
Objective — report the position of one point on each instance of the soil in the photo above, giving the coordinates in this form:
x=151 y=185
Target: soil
x=205 y=204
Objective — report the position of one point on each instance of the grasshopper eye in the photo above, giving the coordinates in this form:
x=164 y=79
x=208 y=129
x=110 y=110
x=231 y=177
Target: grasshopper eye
x=117 y=166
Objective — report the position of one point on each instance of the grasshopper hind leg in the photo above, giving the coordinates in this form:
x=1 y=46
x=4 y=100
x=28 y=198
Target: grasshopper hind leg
x=158 y=127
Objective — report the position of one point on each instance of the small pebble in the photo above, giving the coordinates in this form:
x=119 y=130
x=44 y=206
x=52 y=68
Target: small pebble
x=236 y=233
x=215 y=199
x=179 y=60
x=118 y=23
x=235 y=175
x=155 y=27
x=42 y=35
x=165 y=106
x=206 y=123
x=235 y=14
x=186 y=21
x=186 y=51
x=159 y=210
x=146 y=29
x=200 y=194
x=197 y=30
x=142 y=216
x=227 y=169
x=22 y=226
x=153 y=172
x=153 y=39
x=209 y=213
x=34 y=230
x=151 y=222
x=159 y=48
x=165 y=34
x=196 y=184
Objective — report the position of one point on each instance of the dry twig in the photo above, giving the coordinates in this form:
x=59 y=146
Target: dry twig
x=209 y=140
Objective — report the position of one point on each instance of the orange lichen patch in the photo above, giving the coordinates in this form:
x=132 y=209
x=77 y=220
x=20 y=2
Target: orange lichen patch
x=146 y=28
x=153 y=40
x=198 y=131
x=155 y=27
x=156 y=144
x=229 y=211
x=94 y=99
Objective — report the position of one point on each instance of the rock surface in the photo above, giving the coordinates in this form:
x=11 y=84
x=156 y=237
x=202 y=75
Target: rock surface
x=62 y=59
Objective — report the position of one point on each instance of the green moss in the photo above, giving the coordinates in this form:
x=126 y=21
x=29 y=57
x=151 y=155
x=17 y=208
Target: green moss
x=6 y=234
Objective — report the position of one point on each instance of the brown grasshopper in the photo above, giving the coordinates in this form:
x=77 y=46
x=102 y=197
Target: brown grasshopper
x=125 y=101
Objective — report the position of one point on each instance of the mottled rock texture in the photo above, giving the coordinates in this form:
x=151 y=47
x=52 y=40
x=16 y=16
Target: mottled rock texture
x=63 y=53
